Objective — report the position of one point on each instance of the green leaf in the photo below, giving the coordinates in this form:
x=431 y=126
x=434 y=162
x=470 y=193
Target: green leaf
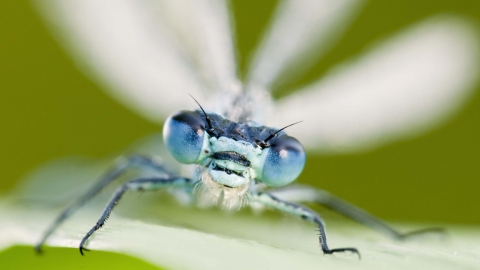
x=157 y=229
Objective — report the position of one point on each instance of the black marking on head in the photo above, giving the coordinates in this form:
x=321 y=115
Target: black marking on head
x=239 y=131
x=232 y=156
x=227 y=171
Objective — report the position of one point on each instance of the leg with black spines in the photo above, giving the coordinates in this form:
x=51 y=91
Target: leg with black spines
x=305 y=194
x=303 y=212
x=140 y=184
x=134 y=161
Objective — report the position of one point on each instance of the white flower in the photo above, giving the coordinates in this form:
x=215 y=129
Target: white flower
x=149 y=54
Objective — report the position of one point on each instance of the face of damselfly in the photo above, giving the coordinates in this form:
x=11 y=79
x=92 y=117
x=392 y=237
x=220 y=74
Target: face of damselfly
x=233 y=154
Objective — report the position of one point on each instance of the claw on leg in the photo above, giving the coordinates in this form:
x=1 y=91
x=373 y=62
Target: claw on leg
x=81 y=248
x=353 y=250
x=38 y=249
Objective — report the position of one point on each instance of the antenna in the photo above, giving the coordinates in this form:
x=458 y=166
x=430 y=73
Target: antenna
x=275 y=134
x=206 y=116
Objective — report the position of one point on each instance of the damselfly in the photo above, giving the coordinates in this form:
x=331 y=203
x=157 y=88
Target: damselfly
x=154 y=53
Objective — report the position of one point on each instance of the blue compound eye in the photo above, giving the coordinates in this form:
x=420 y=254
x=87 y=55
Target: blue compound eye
x=284 y=162
x=184 y=134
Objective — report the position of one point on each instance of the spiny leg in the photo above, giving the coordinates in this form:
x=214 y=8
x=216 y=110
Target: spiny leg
x=140 y=184
x=138 y=162
x=303 y=212
x=307 y=194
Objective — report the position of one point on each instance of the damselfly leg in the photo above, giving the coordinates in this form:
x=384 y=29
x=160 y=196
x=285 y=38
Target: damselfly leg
x=124 y=164
x=303 y=212
x=305 y=194
x=140 y=184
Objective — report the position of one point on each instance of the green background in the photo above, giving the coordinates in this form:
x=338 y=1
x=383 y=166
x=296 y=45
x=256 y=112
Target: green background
x=48 y=109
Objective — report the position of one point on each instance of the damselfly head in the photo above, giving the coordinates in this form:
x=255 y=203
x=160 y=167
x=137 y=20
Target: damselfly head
x=233 y=154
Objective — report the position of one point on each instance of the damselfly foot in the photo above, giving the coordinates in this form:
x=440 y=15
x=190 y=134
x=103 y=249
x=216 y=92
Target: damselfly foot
x=417 y=233
x=82 y=249
x=335 y=250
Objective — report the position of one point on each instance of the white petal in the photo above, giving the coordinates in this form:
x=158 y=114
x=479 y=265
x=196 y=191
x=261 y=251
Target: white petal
x=399 y=89
x=148 y=54
x=299 y=27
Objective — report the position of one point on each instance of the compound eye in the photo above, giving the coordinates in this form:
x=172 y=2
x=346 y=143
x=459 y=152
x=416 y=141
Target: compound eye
x=284 y=162
x=184 y=134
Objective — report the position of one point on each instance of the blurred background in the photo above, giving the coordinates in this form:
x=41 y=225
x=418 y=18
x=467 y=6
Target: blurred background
x=48 y=109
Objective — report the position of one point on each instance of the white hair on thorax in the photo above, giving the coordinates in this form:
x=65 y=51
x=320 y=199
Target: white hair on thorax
x=211 y=193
